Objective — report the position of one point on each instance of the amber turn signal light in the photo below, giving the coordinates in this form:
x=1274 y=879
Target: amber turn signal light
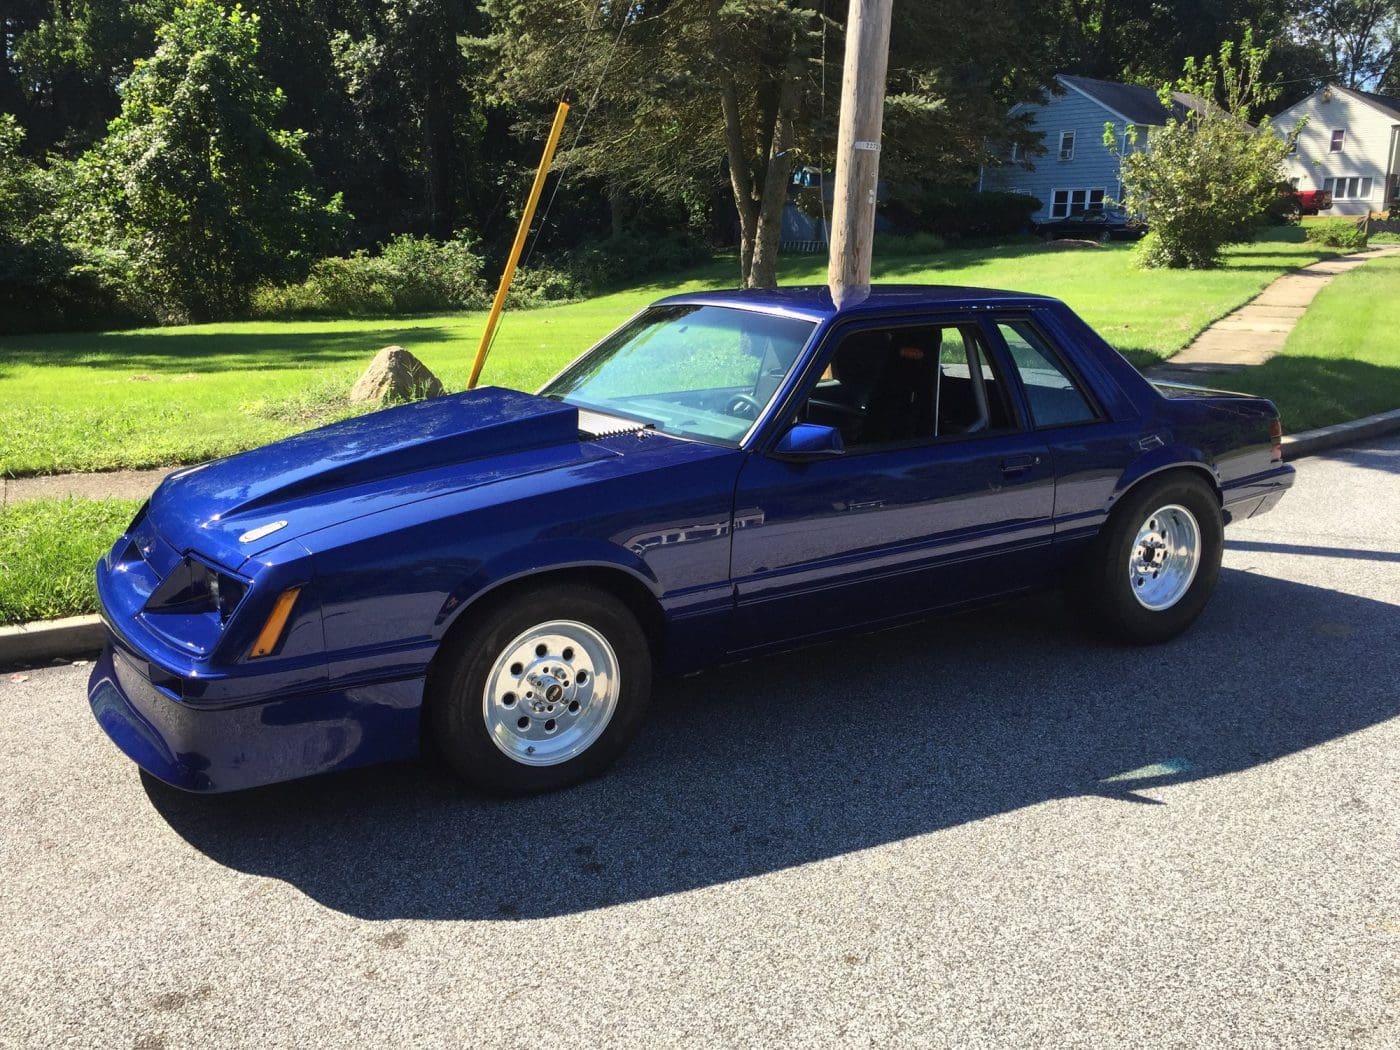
x=1276 y=439
x=271 y=632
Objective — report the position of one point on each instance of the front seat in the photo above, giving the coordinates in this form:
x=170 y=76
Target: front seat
x=901 y=407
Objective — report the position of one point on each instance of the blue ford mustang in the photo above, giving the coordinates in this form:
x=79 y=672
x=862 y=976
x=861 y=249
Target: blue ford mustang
x=503 y=573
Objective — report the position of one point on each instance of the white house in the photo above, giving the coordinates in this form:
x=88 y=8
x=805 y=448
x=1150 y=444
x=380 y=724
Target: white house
x=1350 y=145
x=1077 y=170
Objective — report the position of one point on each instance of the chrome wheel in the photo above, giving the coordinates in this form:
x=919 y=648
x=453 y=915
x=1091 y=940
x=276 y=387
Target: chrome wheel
x=1164 y=557
x=551 y=693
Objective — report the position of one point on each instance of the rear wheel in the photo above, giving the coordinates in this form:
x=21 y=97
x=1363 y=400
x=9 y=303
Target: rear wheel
x=1154 y=567
x=545 y=691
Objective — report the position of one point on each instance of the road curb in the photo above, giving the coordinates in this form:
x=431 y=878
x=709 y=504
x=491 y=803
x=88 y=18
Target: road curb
x=32 y=643
x=1310 y=442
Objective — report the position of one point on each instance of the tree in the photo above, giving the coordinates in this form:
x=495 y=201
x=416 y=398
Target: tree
x=691 y=89
x=1360 y=39
x=1207 y=175
x=194 y=185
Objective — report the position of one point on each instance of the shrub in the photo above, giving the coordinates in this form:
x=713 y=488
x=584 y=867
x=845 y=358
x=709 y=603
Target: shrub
x=1338 y=233
x=900 y=245
x=409 y=275
x=963 y=213
x=1209 y=176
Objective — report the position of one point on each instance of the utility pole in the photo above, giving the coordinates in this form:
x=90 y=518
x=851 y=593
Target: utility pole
x=858 y=149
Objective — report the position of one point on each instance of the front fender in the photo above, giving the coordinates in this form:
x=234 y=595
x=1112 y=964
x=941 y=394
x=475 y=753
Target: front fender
x=539 y=559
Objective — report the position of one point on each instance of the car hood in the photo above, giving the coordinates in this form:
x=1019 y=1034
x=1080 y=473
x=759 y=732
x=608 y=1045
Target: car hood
x=236 y=508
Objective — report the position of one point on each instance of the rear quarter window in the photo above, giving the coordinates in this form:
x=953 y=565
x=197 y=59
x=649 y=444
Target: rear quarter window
x=1055 y=399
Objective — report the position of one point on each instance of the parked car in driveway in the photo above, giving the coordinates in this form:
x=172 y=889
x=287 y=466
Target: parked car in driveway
x=1094 y=224
x=725 y=475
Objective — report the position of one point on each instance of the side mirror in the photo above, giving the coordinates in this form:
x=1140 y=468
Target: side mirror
x=810 y=441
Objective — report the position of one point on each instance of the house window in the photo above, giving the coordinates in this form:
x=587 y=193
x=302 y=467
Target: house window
x=1015 y=151
x=1067 y=145
x=1349 y=188
x=1339 y=138
x=1294 y=181
x=1066 y=202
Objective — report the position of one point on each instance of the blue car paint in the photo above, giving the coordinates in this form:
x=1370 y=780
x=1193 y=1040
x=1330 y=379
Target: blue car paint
x=398 y=524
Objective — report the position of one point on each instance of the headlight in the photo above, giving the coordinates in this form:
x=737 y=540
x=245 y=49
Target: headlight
x=194 y=587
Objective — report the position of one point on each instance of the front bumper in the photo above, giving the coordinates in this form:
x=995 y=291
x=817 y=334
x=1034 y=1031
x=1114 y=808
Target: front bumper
x=201 y=747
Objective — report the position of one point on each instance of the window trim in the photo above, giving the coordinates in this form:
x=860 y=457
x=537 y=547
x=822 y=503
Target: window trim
x=1073 y=141
x=992 y=324
x=807 y=383
x=1069 y=193
x=1338 y=143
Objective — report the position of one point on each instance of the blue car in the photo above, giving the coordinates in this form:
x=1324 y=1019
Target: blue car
x=502 y=575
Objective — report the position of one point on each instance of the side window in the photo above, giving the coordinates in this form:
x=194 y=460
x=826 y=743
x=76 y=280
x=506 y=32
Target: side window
x=908 y=384
x=1054 y=399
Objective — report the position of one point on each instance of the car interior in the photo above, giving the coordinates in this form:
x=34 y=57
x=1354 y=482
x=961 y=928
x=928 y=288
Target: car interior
x=916 y=383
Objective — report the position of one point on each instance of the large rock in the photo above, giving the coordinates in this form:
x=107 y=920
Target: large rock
x=395 y=375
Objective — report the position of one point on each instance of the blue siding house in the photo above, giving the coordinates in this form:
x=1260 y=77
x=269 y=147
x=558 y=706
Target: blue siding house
x=1076 y=170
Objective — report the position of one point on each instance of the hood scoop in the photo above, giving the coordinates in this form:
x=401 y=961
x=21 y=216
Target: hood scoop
x=243 y=504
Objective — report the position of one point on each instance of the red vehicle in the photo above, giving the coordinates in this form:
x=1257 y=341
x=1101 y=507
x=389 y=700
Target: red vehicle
x=1310 y=202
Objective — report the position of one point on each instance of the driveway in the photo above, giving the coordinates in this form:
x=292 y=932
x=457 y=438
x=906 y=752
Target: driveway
x=993 y=830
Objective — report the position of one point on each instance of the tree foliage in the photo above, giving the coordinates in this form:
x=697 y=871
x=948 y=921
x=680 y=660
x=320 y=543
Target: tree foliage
x=194 y=184
x=1208 y=174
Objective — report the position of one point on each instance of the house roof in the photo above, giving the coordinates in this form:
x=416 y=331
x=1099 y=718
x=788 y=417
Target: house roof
x=1387 y=104
x=1131 y=102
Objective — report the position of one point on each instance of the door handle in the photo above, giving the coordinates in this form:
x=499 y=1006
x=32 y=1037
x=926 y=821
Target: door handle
x=1013 y=465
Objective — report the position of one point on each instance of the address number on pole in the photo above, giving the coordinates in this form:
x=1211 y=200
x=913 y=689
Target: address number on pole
x=874 y=147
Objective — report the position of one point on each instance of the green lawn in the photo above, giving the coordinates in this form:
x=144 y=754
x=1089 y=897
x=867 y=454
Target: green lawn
x=1343 y=359
x=151 y=397
x=47 y=551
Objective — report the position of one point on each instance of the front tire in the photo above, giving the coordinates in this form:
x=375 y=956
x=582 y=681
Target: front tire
x=1154 y=566
x=544 y=692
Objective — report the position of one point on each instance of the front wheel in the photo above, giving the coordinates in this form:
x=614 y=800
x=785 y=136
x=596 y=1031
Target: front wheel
x=545 y=691
x=1152 y=570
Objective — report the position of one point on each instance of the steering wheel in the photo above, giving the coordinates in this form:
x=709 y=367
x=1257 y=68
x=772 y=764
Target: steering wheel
x=743 y=406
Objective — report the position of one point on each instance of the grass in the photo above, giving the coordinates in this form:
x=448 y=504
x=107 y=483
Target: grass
x=152 y=397
x=1342 y=361
x=48 y=548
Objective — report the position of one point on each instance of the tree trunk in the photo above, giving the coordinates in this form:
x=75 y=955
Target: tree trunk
x=739 y=177
x=763 y=268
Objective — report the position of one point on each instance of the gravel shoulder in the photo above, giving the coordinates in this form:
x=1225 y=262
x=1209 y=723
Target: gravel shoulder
x=988 y=831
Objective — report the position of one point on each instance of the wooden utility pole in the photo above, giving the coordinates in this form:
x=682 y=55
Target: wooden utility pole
x=858 y=149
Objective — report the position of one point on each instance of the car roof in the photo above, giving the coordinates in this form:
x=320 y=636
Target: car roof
x=815 y=302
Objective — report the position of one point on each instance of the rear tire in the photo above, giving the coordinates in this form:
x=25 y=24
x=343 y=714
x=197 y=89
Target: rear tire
x=547 y=690
x=1153 y=568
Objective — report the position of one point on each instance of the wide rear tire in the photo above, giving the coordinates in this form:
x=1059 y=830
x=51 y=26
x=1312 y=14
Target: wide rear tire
x=1153 y=568
x=545 y=691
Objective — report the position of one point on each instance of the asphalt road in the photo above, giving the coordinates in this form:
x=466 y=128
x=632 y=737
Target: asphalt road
x=991 y=831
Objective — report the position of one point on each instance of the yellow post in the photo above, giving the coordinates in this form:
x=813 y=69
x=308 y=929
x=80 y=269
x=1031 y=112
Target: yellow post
x=507 y=275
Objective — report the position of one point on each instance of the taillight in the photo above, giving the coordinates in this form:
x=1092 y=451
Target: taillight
x=1276 y=439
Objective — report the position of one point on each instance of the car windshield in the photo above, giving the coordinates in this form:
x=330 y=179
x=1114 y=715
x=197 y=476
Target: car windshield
x=696 y=371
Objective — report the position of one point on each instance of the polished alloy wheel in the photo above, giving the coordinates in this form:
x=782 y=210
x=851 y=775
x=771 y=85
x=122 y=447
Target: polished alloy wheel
x=551 y=693
x=1164 y=557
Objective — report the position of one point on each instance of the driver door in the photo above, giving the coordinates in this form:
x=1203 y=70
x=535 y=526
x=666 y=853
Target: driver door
x=942 y=495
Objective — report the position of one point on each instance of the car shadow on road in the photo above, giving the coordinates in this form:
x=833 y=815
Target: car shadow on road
x=815 y=754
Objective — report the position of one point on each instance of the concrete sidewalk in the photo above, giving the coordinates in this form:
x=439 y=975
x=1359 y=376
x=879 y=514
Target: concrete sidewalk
x=114 y=484
x=1258 y=329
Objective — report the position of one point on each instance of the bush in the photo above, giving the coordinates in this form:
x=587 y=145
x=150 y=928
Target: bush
x=1209 y=177
x=900 y=245
x=410 y=275
x=962 y=213
x=1338 y=233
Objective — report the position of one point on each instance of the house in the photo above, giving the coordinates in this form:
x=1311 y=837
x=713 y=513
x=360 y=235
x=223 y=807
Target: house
x=1348 y=144
x=1077 y=170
